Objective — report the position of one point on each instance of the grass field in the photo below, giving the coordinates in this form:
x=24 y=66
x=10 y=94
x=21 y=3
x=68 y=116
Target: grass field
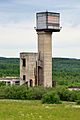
x=34 y=110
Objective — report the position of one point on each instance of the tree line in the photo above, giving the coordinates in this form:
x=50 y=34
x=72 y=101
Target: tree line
x=65 y=71
x=9 y=67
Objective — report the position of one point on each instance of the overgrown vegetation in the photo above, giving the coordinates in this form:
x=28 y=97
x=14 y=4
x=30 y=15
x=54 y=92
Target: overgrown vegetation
x=46 y=95
x=51 y=97
x=21 y=92
x=67 y=95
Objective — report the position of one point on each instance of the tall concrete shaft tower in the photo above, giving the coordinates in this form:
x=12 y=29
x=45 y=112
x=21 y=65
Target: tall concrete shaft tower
x=46 y=23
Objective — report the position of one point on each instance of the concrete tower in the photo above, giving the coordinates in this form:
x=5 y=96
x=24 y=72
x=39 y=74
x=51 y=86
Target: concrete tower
x=46 y=23
x=36 y=68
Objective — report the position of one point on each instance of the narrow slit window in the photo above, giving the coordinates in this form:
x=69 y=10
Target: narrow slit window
x=24 y=77
x=24 y=62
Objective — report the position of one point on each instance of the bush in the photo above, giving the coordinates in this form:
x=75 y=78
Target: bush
x=50 y=97
x=73 y=96
x=21 y=92
x=61 y=92
x=2 y=92
x=15 y=92
x=2 y=83
x=78 y=102
x=67 y=95
x=38 y=92
x=29 y=94
x=47 y=95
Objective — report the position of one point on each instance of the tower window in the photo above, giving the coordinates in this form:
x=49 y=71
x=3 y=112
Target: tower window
x=24 y=77
x=24 y=62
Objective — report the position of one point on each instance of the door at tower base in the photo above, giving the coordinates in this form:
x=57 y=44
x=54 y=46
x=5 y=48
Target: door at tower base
x=48 y=21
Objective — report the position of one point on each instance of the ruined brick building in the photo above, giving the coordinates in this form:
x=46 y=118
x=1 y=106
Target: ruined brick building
x=36 y=68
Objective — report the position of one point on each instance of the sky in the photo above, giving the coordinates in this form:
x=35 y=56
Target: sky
x=18 y=19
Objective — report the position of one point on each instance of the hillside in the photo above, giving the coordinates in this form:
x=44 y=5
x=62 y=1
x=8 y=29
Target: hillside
x=9 y=67
x=65 y=71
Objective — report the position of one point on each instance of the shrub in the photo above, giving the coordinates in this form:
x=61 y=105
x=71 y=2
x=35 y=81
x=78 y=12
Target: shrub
x=47 y=95
x=73 y=96
x=2 y=83
x=78 y=102
x=2 y=92
x=50 y=97
x=15 y=92
x=38 y=92
x=35 y=93
x=60 y=92
x=29 y=94
x=21 y=92
x=67 y=95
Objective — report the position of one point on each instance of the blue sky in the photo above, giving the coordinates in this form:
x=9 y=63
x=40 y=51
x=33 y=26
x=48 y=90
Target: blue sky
x=17 y=21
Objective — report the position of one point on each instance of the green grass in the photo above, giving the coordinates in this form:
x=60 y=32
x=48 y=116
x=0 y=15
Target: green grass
x=34 y=110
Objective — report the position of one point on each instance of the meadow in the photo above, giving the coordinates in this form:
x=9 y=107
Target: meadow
x=35 y=110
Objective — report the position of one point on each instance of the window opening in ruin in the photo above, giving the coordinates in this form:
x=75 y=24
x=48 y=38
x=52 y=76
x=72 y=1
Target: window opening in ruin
x=24 y=77
x=17 y=82
x=24 y=62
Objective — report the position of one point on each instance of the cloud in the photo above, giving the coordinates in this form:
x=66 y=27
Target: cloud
x=21 y=36
x=69 y=36
x=66 y=52
x=67 y=42
x=19 y=10
x=17 y=21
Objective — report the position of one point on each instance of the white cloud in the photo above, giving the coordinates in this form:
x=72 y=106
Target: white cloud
x=66 y=52
x=17 y=32
x=68 y=36
x=21 y=36
x=67 y=42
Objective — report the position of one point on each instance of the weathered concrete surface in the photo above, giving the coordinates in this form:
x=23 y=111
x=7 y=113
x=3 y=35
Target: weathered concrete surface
x=45 y=51
x=29 y=69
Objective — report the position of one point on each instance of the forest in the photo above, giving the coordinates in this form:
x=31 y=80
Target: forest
x=9 y=67
x=65 y=71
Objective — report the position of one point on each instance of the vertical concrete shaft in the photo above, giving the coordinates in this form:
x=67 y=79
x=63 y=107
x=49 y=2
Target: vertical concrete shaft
x=45 y=51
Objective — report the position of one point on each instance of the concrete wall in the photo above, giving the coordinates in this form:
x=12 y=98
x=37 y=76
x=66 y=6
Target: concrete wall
x=45 y=51
x=29 y=69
